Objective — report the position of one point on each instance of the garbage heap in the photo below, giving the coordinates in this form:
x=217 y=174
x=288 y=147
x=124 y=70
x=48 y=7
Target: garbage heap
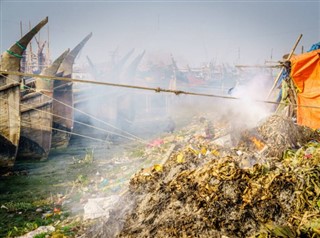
x=267 y=185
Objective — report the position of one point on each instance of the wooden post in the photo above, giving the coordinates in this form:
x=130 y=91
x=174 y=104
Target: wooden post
x=281 y=71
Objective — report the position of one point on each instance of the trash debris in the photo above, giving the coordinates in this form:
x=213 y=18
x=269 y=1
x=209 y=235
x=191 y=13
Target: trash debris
x=39 y=230
x=39 y=210
x=156 y=143
x=264 y=187
x=189 y=185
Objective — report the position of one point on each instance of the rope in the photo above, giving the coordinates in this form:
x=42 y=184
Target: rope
x=68 y=132
x=108 y=124
x=104 y=122
x=89 y=115
x=56 y=129
x=81 y=123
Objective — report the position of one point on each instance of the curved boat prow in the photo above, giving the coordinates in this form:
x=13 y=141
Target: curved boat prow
x=10 y=98
x=46 y=86
x=10 y=60
x=67 y=64
x=63 y=100
x=116 y=71
x=132 y=69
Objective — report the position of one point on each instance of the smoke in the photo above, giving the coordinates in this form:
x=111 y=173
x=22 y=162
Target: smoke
x=121 y=111
x=248 y=111
x=144 y=113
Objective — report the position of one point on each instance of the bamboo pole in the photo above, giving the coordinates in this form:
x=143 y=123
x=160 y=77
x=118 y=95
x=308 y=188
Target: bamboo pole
x=281 y=71
x=157 y=89
x=258 y=66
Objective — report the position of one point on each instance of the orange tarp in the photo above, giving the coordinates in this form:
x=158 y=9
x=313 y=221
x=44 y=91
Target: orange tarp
x=305 y=73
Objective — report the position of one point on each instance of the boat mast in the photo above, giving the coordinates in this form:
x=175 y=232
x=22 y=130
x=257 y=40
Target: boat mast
x=48 y=61
x=30 y=58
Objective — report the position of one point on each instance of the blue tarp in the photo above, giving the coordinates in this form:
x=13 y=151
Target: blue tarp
x=315 y=47
x=285 y=73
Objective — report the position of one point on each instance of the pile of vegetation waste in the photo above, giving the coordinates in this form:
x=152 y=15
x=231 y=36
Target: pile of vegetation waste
x=267 y=185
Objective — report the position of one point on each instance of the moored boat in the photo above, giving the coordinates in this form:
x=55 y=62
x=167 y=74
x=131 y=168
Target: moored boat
x=36 y=116
x=10 y=98
x=63 y=100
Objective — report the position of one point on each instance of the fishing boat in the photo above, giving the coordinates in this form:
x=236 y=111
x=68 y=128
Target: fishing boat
x=63 y=114
x=10 y=98
x=108 y=109
x=36 y=116
x=126 y=100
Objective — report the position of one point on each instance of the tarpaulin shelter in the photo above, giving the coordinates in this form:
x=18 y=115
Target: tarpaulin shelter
x=305 y=73
x=315 y=47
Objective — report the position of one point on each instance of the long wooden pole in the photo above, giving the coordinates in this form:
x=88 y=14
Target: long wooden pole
x=281 y=71
x=258 y=66
x=157 y=90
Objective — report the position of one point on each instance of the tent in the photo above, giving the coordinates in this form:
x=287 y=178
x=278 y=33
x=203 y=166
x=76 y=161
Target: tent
x=305 y=73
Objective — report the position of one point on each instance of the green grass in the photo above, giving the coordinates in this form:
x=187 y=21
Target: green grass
x=22 y=195
x=73 y=174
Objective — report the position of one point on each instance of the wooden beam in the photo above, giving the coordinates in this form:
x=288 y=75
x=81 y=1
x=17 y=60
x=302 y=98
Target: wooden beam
x=281 y=71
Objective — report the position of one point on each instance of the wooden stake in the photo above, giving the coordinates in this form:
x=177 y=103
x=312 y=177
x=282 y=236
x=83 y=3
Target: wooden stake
x=281 y=71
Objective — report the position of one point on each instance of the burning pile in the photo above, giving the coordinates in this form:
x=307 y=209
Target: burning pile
x=268 y=186
x=282 y=134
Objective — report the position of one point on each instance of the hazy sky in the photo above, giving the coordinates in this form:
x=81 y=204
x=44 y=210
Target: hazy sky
x=193 y=31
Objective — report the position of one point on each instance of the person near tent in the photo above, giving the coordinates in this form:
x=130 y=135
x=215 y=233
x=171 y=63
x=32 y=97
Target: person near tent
x=285 y=74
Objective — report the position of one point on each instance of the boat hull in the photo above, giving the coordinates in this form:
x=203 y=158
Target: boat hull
x=63 y=116
x=63 y=100
x=10 y=98
x=9 y=123
x=36 y=122
x=37 y=116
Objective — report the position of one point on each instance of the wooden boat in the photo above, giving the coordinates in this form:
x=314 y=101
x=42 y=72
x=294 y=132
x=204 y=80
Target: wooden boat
x=126 y=99
x=111 y=109
x=132 y=68
x=10 y=98
x=118 y=68
x=63 y=100
x=36 y=116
